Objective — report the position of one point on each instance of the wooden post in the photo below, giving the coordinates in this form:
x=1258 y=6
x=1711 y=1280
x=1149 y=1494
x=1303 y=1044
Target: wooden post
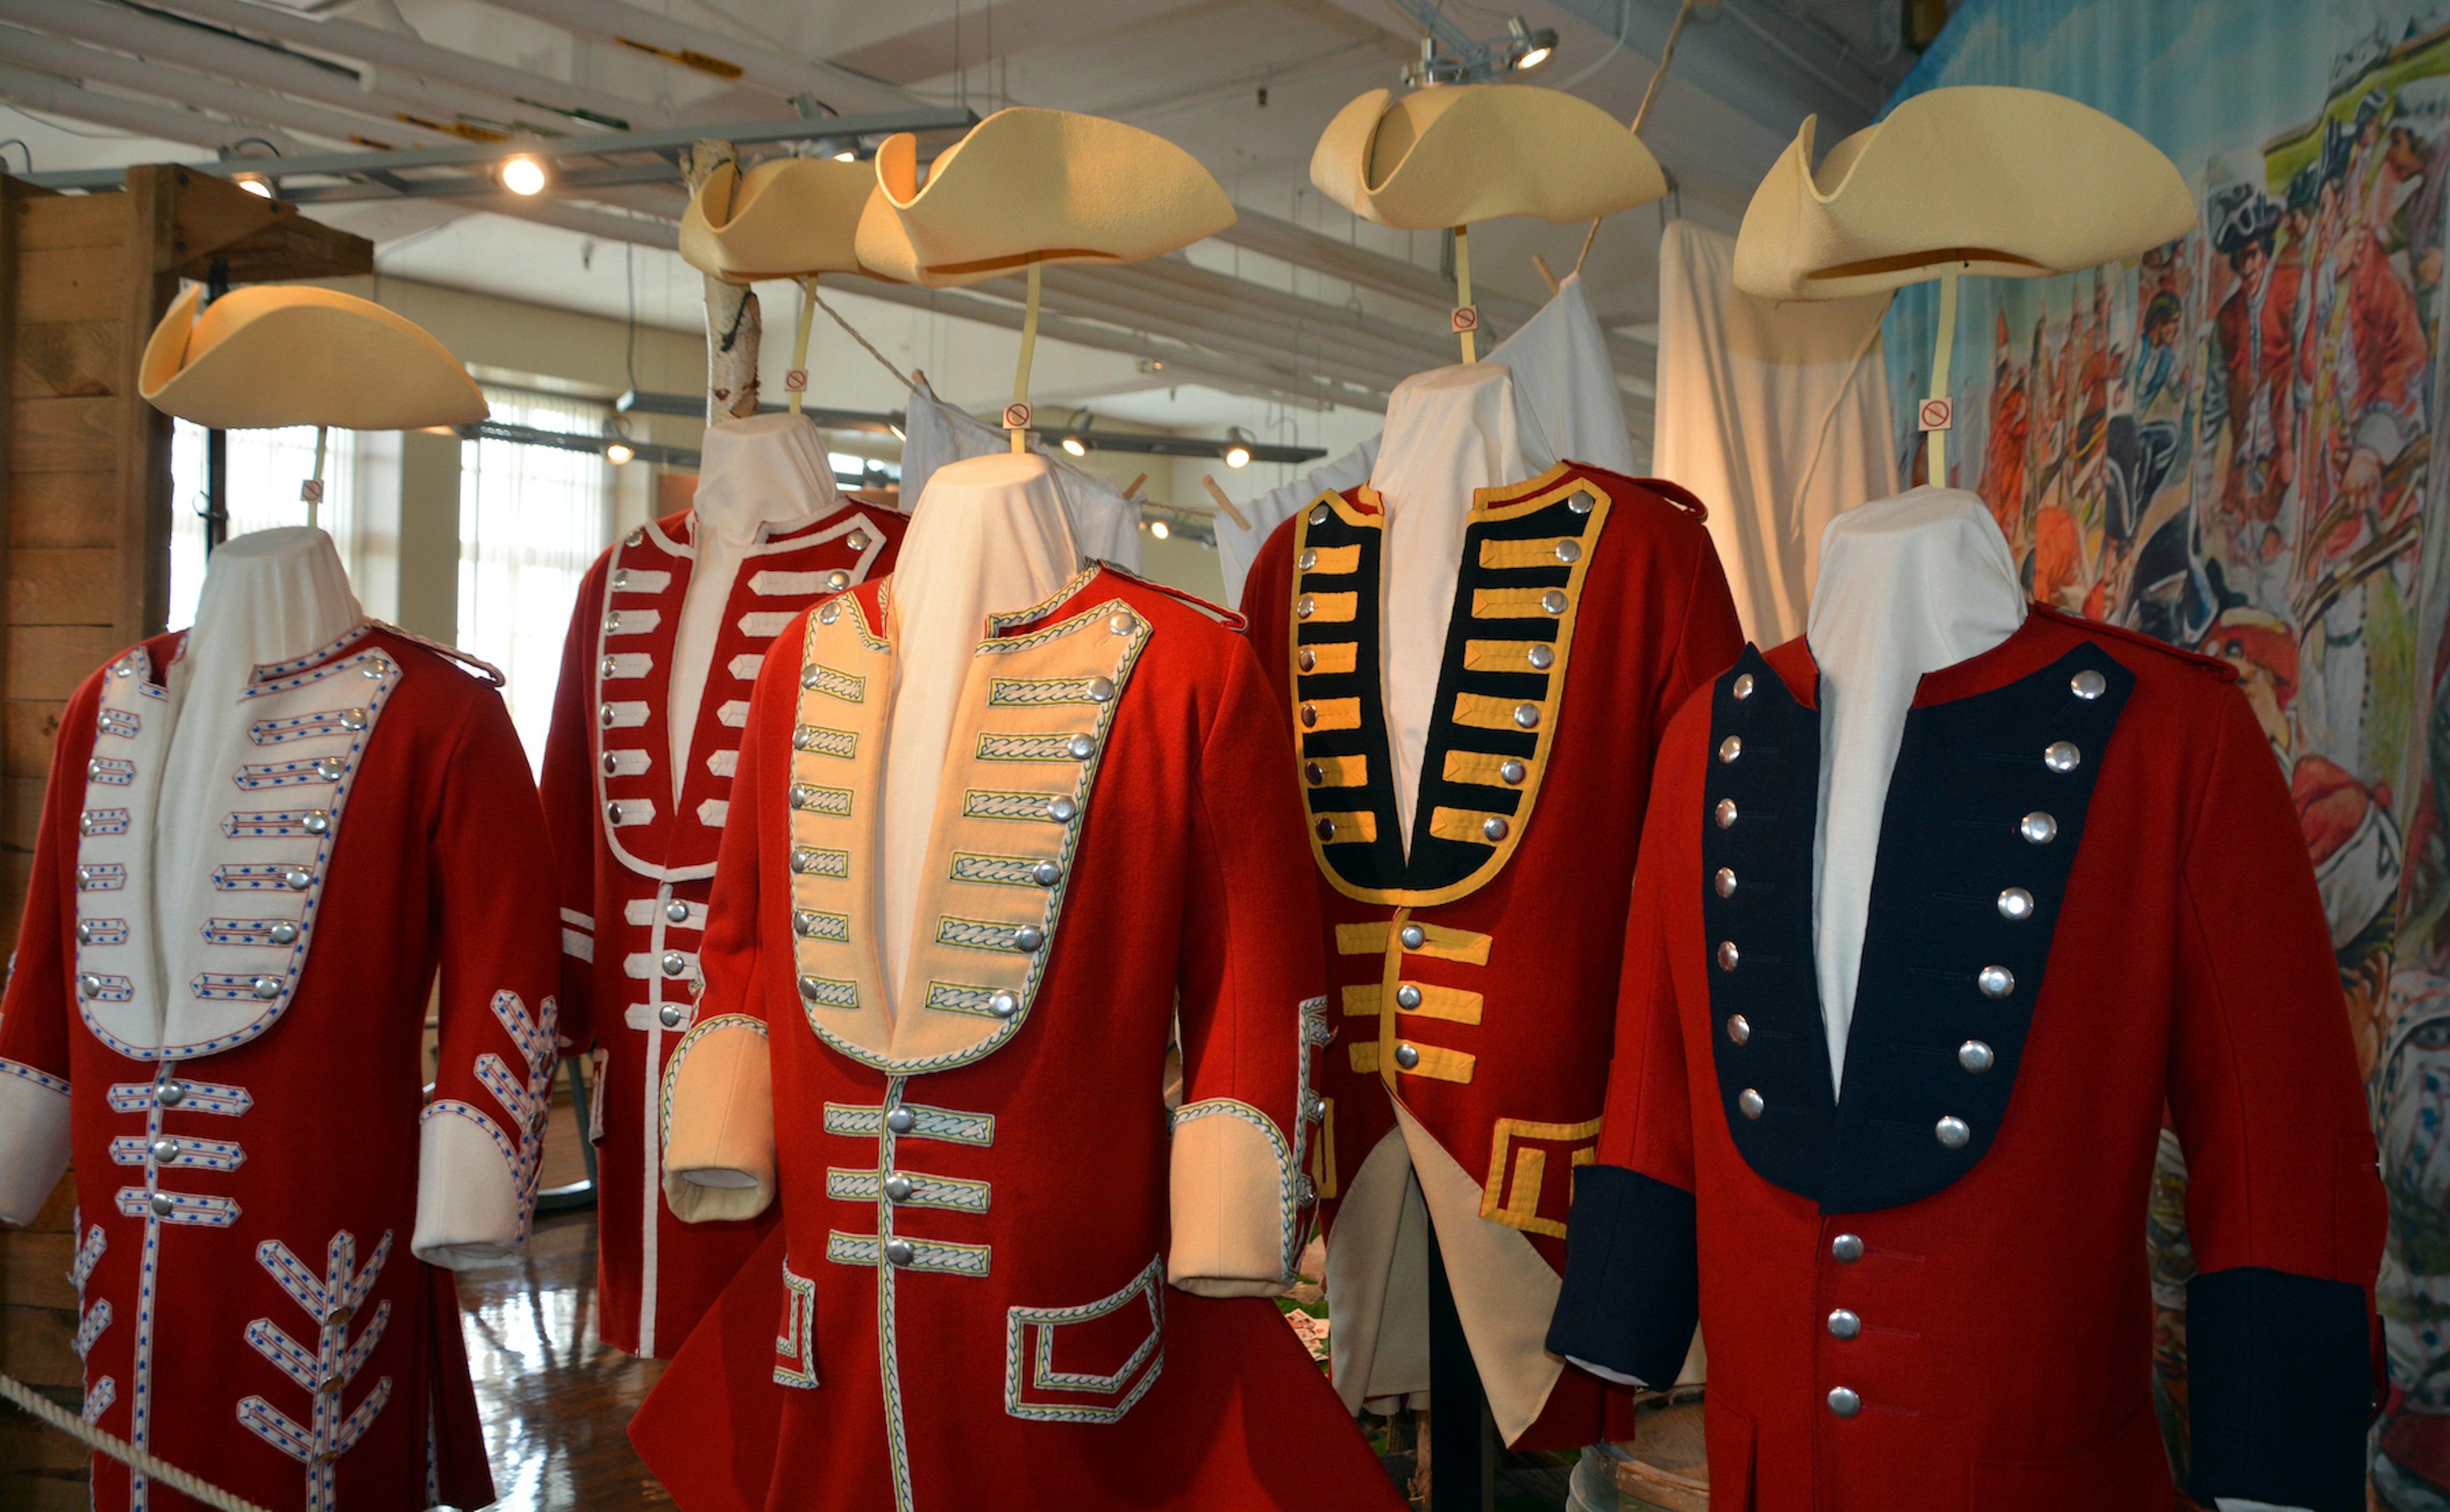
x=733 y=325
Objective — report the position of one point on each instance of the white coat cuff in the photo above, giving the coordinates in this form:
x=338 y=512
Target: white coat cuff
x=467 y=1206
x=33 y=1140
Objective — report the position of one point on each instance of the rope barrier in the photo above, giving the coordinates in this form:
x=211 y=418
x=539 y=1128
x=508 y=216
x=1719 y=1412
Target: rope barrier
x=46 y=1410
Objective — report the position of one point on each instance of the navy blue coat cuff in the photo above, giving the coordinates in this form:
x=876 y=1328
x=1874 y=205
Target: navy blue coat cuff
x=1632 y=1292
x=2280 y=1375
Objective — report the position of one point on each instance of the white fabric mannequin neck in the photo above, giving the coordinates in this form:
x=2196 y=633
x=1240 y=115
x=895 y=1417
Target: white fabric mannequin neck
x=1908 y=586
x=988 y=537
x=268 y=596
x=751 y=472
x=1450 y=431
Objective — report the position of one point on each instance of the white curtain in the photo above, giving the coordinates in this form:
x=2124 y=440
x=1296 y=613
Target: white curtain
x=265 y=468
x=532 y=518
x=1776 y=415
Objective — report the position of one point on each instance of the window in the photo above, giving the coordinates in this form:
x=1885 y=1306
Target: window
x=265 y=468
x=532 y=518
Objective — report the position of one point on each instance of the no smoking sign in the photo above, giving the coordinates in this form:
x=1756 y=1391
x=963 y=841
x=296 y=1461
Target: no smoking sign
x=1938 y=415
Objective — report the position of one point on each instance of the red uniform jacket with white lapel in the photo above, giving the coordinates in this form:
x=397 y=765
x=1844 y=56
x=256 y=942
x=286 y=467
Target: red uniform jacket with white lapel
x=242 y=1089
x=2091 y=903
x=1472 y=982
x=636 y=866
x=988 y=1209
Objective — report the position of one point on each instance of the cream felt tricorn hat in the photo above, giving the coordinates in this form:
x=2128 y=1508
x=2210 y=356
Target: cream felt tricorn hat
x=2004 y=182
x=273 y=355
x=1455 y=154
x=1034 y=185
x=784 y=218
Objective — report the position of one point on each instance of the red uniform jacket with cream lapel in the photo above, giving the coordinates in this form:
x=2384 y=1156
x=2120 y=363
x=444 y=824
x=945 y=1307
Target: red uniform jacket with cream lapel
x=243 y=1106
x=1472 y=981
x=637 y=866
x=2091 y=903
x=988 y=1209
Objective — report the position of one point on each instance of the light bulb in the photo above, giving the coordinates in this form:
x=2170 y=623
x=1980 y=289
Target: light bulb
x=846 y=155
x=1160 y=529
x=1237 y=456
x=1072 y=445
x=618 y=453
x=1534 y=58
x=523 y=176
x=257 y=187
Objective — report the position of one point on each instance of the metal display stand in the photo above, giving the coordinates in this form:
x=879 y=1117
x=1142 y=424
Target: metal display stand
x=1463 y=1437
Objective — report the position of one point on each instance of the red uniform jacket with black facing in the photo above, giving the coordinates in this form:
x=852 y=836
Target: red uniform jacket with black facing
x=2091 y=903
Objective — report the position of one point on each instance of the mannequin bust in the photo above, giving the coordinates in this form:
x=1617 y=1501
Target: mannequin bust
x=1908 y=585
x=989 y=537
x=1450 y=431
x=750 y=474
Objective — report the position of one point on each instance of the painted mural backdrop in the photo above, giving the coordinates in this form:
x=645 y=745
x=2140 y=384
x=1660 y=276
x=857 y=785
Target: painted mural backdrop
x=2228 y=443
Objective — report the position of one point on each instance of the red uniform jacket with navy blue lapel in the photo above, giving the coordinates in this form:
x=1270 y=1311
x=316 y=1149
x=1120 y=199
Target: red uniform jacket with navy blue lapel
x=242 y=1090
x=1010 y=1275
x=1472 y=983
x=636 y=866
x=2091 y=903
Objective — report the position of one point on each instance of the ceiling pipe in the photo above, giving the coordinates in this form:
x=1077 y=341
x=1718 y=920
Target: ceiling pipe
x=352 y=39
x=30 y=90
x=95 y=65
x=755 y=64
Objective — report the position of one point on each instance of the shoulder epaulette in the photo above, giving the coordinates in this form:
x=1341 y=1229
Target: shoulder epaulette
x=2212 y=665
x=1216 y=611
x=484 y=670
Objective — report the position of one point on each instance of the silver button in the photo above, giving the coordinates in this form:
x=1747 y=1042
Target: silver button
x=676 y=911
x=93 y=767
x=1309 y=715
x=807 y=679
x=1526 y=716
x=605 y=716
x=1305 y=1191
x=1061 y=809
x=1408 y=1056
x=267 y=988
x=169 y=1093
x=2062 y=756
x=674 y=964
x=1318 y=516
x=1080 y=748
x=620 y=579
x=1408 y=996
x=1305 y=607
x=90 y=984
x=317 y=823
x=1739 y=1029
x=1728 y=955
x=1995 y=981
x=1102 y=691
x=670 y=1014
x=1306 y=659
x=1748 y=1102
x=837 y=580
x=1414 y=937
x=285 y=933
x=85 y=875
x=1308 y=559
x=613 y=812
x=809 y=988
x=827 y=616
x=297 y=879
x=1730 y=749
x=164 y=1150
x=353 y=719
x=1726 y=813
x=1003 y=1004
x=1844 y=1402
x=124 y=667
x=1493 y=827
x=1326 y=829
x=1743 y=687
x=1844 y=1323
x=635 y=537
x=330 y=769
x=1847 y=1247
x=160 y=1204
x=898 y=1251
x=2015 y=905
x=1542 y=656
x=897 y=1187
x=1554 y=601
x=803 y=924
x=1046 y=874
x=901 y=1120
x=1579 y=503
x=2089 y=685
x=378 y=669
x=804 y=859
x=1512 y=772
x=1725 y=882
x=1313 y=1107
x=2038 y=828
x=1974 y=1056
x=1028 y=938
x=857 y=541
x=612 y=765
x=613 y=621
x=1123 y=624
x=1313 y=773
x=85 y=931
x=1951 y=1131
x=1570 y=550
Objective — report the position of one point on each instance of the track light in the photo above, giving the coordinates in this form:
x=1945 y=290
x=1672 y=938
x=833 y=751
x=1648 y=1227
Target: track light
x=618 y=453
x=846 y=155
x=523 y=176
x=254 y=186
x=1237 y=452
x=1160 y=529
x=1525 y=49
x=1072 y=445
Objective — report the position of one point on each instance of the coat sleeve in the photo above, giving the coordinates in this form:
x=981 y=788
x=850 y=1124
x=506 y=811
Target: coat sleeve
x=1253 y=1005
x=718 y=1097
x=1711 y=638
x=34 y=1011
x=1631 y=1295
x=2283 y=1203
x=481 y=1143
x=568 y=788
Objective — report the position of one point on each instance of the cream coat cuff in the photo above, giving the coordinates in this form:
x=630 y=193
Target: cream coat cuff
x=467 y=1203
x=719 y=1122
x=33 y=1142
x=1233 y=1191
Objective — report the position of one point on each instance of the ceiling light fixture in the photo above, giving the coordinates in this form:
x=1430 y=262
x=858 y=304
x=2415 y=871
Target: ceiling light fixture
x=846 y=155
x=1238 y=451
x=256 y=186
x=1525 y=49
x=523 y=176
x=618 y=453
x=1160 y=529
x=1073 y=445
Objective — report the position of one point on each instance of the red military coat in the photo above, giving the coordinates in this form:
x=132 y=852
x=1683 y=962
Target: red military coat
x=636 y=866
x=2091 y=903
x=242 y=1090
x=1472 y=982
x=991 y=1219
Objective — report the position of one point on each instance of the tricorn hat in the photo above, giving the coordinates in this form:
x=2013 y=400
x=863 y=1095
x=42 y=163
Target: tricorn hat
x=784 y=218
x=273 y=355
x=2011 y=182
x=1028 y=186
x=1458 y=153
